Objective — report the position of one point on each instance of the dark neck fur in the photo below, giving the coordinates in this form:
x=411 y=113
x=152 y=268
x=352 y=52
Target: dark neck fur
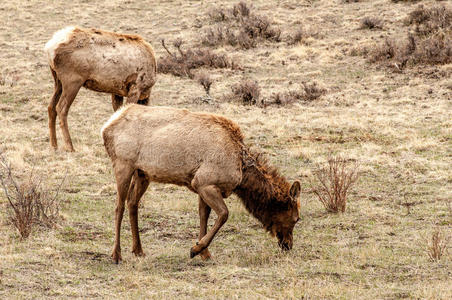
x=262 y=190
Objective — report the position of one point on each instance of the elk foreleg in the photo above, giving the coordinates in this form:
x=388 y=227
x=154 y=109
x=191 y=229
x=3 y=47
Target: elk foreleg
x=204 y=212
x=212 y=196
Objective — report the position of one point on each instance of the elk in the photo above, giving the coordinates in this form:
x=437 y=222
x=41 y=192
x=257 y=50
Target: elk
x=120 y=64
x=203 y=152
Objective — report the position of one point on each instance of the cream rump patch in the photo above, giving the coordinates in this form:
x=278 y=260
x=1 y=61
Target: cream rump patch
x=59 y=37
x=114 y=117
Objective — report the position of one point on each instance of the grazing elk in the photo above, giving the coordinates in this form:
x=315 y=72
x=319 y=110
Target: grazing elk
x=120 y=64
x=205 y=153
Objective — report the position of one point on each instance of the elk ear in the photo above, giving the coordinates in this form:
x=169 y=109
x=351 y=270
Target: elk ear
x=295 y=189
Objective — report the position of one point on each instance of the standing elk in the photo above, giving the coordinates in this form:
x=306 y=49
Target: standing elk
x=205 y=153
x=120 y=64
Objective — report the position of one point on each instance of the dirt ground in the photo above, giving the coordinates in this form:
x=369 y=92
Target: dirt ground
x=397 y=125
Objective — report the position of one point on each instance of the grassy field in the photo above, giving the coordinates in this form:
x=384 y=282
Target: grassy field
x=397 y=125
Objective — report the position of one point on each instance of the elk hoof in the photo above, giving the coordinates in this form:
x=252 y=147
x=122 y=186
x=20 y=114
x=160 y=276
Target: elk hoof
x=69 y=148
x=116 y=256
x=139 y=252
x=195 y=250
x=205 y=254
x=192 y=253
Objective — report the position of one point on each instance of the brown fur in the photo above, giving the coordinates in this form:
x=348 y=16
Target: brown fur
x=205 y=153
x=263 y=190
x=120 y=64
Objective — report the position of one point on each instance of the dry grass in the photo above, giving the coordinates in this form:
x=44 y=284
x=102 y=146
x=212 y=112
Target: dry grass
x=396 y=124
x=334 y=182
x=285 y=98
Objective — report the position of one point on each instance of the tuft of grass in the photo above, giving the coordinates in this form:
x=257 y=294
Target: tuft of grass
x=371 y=23
x=30 y=203
x=438 y=246
x=247 y=92
x=8 y=79
x=334 y=182
x=411 y=1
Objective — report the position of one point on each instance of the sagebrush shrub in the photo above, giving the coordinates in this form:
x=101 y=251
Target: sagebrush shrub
x=247 y=92
x=430 y=44
x=184 y=62
x=244 y=28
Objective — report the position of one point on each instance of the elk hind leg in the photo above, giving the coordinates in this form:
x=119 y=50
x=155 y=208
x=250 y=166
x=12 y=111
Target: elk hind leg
x=123 y=174
x=70 y=90
x=204 y=213
x=137 y=188
x=52 y=109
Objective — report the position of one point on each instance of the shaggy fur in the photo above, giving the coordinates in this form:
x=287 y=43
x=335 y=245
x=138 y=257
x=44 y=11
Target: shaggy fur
x=205 y=153
x=263 y=190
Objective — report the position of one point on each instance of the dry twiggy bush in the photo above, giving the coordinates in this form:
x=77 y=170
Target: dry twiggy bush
x=184 y=62
x=285 y=98
x=312 y=91
x=334 y=181
x=247 y=92
x=244 y=28
x=433 y=50
x=29 y=202
x=241 y=10
x=206 y=82
x=438 y=247
x=428 y=21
